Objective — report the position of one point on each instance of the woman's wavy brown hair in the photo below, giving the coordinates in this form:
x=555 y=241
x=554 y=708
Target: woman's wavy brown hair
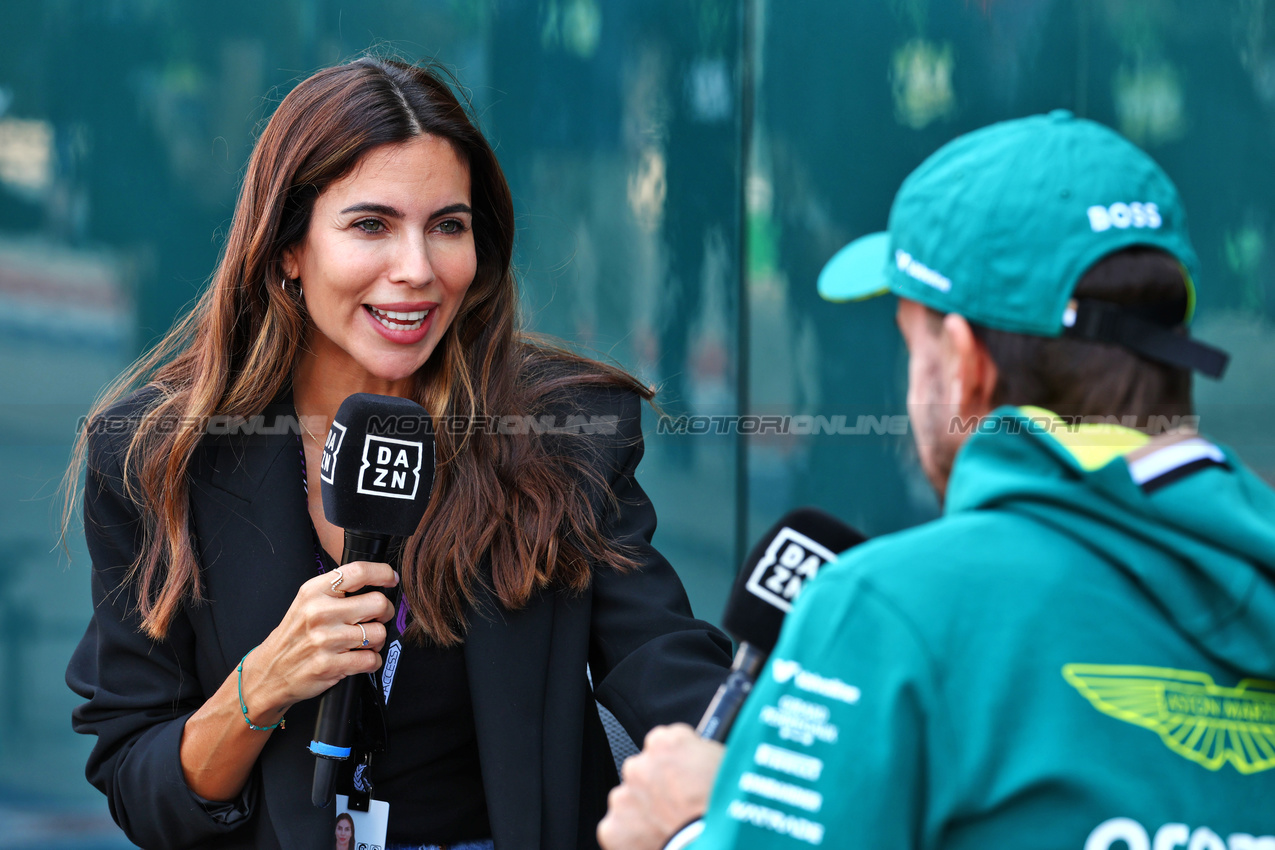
x=510 y=497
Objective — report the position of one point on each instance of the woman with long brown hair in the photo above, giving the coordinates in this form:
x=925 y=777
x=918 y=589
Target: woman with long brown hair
x=370 y=252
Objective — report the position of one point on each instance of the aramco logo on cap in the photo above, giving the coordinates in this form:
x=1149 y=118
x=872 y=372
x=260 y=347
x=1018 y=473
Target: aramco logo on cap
x=914 y=268
x=391 y=468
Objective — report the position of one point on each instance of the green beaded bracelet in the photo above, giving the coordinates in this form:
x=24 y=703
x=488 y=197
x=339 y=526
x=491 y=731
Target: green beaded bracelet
x=244 y=706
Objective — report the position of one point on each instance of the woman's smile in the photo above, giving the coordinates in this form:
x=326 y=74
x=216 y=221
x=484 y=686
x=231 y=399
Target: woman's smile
x=401 y=323
x=406 y=320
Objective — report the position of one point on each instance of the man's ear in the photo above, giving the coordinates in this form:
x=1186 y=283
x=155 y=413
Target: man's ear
x=971 y=367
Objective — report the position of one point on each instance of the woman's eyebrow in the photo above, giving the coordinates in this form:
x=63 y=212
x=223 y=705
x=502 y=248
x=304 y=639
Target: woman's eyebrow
x=453 y=208
x=392 y=212
x=369 y=207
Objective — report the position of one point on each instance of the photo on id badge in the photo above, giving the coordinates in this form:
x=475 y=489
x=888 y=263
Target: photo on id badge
x=357 y=830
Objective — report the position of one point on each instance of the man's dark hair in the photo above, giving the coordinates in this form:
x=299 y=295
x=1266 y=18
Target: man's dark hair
x=1079 y=377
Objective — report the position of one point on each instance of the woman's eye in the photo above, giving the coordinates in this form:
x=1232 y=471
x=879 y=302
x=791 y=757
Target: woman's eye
x=451 y=225
x=370 y=225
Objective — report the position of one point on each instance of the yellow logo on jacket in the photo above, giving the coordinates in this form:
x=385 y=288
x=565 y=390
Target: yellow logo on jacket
x=1197 y=719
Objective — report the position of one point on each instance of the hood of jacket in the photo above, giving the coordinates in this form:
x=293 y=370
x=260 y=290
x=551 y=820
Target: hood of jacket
x=1182 y=516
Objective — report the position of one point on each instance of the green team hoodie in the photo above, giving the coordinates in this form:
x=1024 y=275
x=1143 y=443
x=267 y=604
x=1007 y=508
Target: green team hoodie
x=1079 y=654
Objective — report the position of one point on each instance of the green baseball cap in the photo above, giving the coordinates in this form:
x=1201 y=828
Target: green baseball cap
x=999 y=224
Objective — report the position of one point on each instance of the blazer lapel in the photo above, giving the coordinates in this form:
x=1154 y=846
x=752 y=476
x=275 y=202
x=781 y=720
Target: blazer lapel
x=257 y=548
x=254 y=533
x=505 y=660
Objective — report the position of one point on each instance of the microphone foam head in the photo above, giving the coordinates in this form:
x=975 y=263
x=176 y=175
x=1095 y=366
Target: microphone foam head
x=791 y=553
x=378 y=465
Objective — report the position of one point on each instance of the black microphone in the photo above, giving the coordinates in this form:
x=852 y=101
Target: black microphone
x=377 y=473
x=790 y=554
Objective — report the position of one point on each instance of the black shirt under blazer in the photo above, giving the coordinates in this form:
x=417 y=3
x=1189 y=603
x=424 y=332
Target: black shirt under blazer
x=544 y=755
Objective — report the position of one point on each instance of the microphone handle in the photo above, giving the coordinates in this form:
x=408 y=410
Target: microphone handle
x=722 y=711
x=361 y=546
x=331 y=741
x=323 y=790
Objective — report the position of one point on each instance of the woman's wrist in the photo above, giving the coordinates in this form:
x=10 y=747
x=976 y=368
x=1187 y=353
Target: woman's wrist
x=259 y=698
x=217 y=748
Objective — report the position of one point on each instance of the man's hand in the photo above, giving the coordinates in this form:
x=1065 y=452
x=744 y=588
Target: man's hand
x=663 y=788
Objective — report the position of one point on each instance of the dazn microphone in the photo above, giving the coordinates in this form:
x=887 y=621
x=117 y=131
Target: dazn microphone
x=377 y=473
x=790 y=554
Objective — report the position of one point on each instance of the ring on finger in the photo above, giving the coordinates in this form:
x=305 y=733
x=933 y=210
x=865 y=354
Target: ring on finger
x=364 y=631
x=338 y=581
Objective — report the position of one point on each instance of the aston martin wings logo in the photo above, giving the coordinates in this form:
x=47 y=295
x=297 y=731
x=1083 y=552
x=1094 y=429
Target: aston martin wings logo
x=1198 y=720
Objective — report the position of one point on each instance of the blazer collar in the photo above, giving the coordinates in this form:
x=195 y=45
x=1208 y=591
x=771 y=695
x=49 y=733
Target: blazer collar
x=245 y=451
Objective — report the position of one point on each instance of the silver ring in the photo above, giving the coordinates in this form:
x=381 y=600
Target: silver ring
x=340 y=579
x=364 y=631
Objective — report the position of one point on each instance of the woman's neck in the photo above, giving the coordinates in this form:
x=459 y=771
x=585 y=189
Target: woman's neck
x=320 y=382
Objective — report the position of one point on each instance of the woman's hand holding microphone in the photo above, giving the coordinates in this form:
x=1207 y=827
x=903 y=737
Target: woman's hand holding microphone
x=318 y=643
x=314 y=647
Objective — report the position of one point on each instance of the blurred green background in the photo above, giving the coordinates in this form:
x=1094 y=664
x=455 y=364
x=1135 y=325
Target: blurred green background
x=682 y=169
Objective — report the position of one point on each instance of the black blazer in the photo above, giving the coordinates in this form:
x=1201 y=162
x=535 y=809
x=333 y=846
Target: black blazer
x=545 y=760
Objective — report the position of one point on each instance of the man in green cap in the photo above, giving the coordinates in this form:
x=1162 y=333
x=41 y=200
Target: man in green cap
x=1081 y=651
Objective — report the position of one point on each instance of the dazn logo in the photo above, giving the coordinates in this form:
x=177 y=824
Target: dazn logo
x=391 y=467
x=790 y=561
x=331 y=448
